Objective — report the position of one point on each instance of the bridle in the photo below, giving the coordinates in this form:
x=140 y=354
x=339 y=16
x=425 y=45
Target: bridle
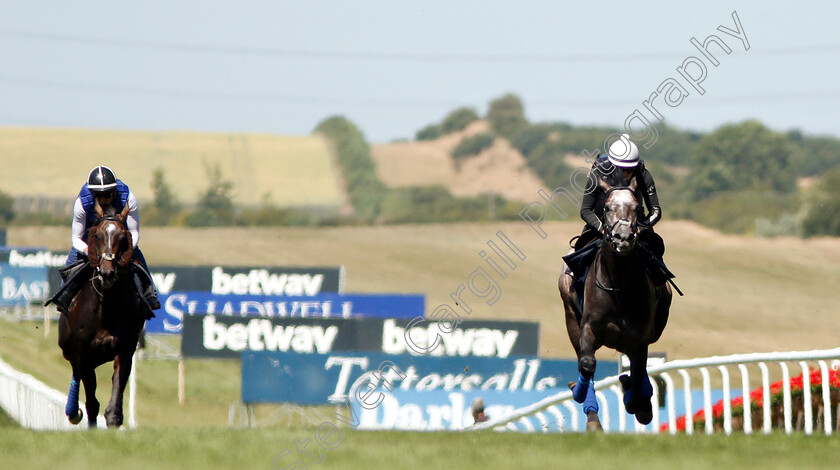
x=107 y=257
x=610 y=234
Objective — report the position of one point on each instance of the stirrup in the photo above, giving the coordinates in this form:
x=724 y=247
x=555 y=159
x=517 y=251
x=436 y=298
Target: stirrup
x=153 y=301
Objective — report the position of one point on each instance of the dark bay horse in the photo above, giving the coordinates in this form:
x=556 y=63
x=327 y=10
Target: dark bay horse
x=622 y=308
x=104 y=320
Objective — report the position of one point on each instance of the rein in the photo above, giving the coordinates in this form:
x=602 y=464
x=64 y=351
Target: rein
x=598 y=282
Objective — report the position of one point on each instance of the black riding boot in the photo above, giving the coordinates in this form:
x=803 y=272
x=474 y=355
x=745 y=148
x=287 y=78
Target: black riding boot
x=146 y=291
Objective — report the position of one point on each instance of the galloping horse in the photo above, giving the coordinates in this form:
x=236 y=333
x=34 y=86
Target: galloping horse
x=104 y=320
x=622 y=308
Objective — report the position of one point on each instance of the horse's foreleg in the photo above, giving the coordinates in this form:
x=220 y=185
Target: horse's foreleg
x=71 y=408
x=586 y=363
x=583 y=391
x=586 y=355
x=114 y=410
x=91 y=404
x=637 y=397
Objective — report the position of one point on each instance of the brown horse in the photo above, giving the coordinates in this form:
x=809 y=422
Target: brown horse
x=622 y=308
x=104 y=320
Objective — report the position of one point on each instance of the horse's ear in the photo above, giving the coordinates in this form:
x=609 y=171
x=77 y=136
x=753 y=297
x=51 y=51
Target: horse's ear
x=97 y=209
x=634 y=183
x=124 y=213
x=604 y=185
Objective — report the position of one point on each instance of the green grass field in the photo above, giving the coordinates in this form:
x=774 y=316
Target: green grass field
x=742 y=295
x=289 y=170
x=208 y=448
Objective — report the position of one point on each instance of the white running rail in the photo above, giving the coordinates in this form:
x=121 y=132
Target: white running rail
x=34 y=405
x=802 y=359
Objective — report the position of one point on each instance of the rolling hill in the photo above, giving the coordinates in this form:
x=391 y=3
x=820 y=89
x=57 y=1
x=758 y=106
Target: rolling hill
x=500 y=169
x=283 y=170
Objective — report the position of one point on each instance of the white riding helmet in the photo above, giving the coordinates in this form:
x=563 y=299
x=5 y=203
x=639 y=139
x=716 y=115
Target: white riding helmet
x=623 y=152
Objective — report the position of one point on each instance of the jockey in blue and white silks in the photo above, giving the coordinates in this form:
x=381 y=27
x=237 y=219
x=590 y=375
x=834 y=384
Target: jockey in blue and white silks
x=103 y=186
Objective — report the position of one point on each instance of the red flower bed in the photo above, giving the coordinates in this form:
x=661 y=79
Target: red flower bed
x=757 y=398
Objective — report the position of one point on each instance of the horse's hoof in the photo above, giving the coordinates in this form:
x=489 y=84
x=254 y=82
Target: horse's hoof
x=75 y=419
x=572 y=384
x=625 y=382
x=644 y=416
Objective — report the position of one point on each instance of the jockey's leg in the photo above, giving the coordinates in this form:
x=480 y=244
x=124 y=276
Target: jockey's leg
x=62 y=302
x=148 y=284
x=73 y=256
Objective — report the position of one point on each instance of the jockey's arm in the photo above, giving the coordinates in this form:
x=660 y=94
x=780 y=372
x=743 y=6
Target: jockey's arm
x=132 y=221
x=77 y=228
x=652 y=201
x=587 y=206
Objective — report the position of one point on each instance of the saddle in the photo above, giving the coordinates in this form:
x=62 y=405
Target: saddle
x=76 y=274
x=651 y=245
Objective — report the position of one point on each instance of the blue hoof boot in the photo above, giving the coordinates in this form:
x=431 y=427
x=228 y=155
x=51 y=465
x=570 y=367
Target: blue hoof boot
x=580 y=389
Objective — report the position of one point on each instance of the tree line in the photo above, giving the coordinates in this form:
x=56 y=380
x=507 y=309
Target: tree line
x=740 y=178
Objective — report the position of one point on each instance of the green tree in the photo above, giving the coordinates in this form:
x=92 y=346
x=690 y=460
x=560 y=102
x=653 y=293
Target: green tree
x=165 y=204
x=7 y=208
x=215 y=206
x=471 y=146
x=507 y=116
x=430 y=132
x=458 y=120
x=823 y=214
x=532 y=137
x=741 y=156
x=364 y=187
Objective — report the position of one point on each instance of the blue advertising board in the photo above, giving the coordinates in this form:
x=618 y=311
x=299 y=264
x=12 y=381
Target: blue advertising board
x=410 y=410
x=21 y=285
x=327 y=305
x=25 y=256
x=317 y=379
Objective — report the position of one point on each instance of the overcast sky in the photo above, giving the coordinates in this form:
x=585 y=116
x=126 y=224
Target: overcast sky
x=393 y=67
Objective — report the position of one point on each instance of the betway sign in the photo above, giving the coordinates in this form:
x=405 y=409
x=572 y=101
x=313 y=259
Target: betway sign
x=222 y=280
x=227 y=337
x=470 y=338
x=262 y=335
x=222 y=336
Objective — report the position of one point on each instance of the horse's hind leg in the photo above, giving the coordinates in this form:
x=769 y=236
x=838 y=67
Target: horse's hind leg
x=122 y=368
x=663 y=306
x=564 y=285
x=91 y=403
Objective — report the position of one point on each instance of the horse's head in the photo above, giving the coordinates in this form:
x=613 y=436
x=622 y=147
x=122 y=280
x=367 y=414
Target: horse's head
x=110 y=249
x=620 y=223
